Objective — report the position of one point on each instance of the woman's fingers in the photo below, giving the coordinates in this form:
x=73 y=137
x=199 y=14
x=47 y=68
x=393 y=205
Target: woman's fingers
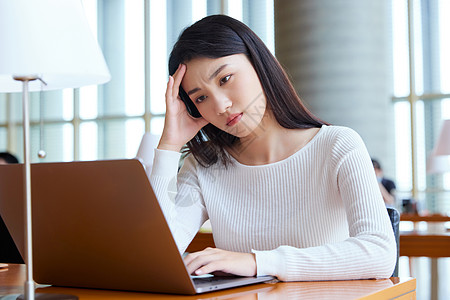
x=213 y=260
x=169 y=89
x=191 y=256
x=174 y=83
x=178 y=77
x=195 y=261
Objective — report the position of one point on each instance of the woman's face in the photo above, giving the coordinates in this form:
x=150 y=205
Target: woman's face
x=227 y=93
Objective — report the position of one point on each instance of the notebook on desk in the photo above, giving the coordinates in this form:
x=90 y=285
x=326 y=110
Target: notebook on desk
x=98 y=224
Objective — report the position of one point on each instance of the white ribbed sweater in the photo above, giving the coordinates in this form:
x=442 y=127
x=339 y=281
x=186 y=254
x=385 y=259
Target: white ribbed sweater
x=316 y=215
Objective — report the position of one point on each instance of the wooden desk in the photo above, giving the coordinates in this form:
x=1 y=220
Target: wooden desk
x=424 y=218
x=11 y=282
x=432 y=242
x=417 y=243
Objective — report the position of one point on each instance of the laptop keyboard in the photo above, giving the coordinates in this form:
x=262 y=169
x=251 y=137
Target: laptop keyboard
x=213 y=279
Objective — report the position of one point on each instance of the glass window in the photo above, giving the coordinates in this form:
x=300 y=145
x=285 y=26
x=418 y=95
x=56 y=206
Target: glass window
x=134 y=130
x=3 y=109
x=3 y=139
x=158 y=56
x=89 y=138
x=400 y=47
x=57 y=142
x=88 y=102
x=403 y=147
x=15 y=103
x=234 y=9
x=444 y=45
x=134 y=58
x=119 y=138
x=157 y=125
x=431 y=48
x=54 y=105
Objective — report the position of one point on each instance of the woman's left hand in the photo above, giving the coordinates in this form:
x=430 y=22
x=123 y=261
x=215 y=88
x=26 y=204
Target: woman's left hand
x=212 y=260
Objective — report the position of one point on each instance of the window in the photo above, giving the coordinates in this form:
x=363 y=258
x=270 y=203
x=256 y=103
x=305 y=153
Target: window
x=421 y=95
x=108 y=121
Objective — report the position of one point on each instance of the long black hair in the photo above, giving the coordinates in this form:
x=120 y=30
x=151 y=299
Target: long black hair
x=218 y=36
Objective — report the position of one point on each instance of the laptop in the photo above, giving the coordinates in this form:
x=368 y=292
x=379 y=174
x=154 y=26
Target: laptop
x=98 y=224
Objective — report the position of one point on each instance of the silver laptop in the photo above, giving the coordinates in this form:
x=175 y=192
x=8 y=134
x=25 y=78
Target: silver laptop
x=98 y=224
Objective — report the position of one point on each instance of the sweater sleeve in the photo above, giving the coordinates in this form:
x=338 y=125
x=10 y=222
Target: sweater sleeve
x=179 y=195
x=370 y=249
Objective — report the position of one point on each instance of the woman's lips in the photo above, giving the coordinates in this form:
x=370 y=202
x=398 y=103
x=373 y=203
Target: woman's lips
x=233 y=119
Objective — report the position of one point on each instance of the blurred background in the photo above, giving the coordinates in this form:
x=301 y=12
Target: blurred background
x=380 y=67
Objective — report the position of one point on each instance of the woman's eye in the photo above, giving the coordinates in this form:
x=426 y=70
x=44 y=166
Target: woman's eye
x=225 y=79
x=200 y=99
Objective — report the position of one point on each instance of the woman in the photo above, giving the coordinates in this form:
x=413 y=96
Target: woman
x=286 y=194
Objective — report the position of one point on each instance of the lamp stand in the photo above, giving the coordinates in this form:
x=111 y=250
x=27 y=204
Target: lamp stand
x=29 y=286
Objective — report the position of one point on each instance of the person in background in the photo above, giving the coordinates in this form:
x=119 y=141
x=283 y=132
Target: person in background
x=387 y=186
x=8 y=158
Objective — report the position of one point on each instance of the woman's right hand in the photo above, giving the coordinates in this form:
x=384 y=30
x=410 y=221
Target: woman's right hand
x=179 y=126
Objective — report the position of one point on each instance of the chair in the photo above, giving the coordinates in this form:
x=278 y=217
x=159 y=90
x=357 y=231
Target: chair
x=394 y=216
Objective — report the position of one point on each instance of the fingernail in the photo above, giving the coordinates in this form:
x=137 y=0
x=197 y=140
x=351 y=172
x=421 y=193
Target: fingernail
x=198 y=272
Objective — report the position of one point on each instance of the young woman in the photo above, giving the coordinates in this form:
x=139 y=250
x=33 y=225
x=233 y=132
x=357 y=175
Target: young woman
x=287 y=195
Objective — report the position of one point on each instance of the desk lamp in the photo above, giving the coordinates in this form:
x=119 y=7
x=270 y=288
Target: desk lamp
x=48 y=45
x=443 y=144
x=439 y=160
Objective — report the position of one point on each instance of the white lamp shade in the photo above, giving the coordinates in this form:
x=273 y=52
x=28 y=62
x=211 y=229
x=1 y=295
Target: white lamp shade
x=50 y=39
x=438 y=164
x=443 y=143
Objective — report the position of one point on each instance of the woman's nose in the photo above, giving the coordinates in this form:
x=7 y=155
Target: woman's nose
x=222 y=104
